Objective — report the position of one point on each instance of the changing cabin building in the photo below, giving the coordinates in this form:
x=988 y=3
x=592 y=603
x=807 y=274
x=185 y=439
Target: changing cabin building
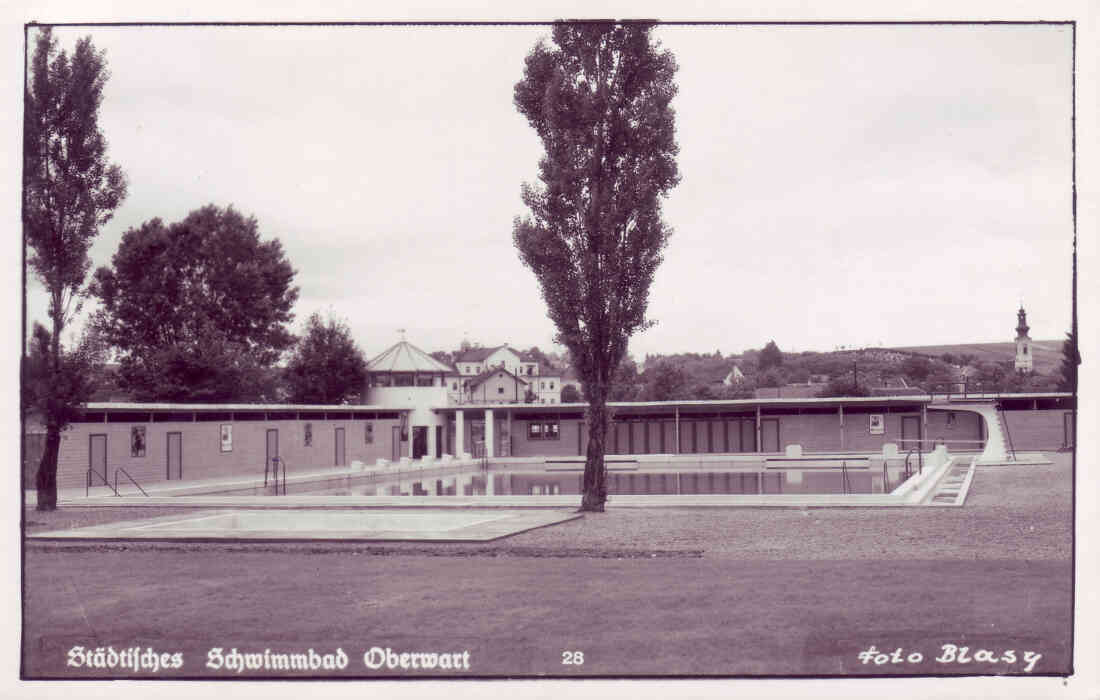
x=416 y=408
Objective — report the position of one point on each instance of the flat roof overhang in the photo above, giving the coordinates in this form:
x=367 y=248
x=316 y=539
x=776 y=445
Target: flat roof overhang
x=703 y=406
x=109 y=406
x=697 y=406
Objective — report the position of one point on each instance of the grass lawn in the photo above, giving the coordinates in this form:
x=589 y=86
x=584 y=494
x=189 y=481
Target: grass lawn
x=749 y=591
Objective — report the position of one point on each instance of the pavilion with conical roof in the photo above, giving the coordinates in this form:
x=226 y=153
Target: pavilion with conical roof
x=404 y=364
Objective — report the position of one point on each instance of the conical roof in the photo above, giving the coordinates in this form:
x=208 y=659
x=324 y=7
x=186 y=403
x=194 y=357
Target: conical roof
x=406 y=357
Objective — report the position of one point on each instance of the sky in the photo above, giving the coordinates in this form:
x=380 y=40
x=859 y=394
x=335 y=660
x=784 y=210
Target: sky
x=841 y=185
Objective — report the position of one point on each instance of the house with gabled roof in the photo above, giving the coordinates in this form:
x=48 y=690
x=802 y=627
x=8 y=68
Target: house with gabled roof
x=542 y=380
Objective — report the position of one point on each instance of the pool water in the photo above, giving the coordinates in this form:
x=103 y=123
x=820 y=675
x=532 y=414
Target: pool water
x=541 y=483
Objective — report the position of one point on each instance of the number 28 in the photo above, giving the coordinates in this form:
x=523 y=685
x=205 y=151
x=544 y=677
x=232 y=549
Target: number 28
x=572 y=658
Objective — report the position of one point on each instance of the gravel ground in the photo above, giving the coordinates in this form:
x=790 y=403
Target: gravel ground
x=1012 y=512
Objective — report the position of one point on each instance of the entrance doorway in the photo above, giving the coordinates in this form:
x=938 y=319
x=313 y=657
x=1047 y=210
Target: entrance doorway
x=272 y=449
x=420 y=441
x=97 y=457
x=769 y=435
x=438 y=441
x=340 y=456
x=910 y=433
x=175 y=456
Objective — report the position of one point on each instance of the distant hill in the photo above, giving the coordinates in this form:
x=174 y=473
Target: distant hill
x=1047 y=357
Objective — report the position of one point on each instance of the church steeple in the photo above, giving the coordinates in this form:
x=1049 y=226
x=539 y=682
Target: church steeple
x=1023 y=342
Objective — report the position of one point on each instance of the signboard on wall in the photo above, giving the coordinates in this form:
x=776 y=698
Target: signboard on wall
x=227 y=438
x=878 y=424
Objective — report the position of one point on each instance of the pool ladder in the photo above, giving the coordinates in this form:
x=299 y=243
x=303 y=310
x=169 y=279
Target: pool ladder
x=274 y=463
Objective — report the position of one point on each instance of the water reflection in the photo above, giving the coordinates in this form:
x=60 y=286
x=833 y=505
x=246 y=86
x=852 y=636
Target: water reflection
x=538 y=483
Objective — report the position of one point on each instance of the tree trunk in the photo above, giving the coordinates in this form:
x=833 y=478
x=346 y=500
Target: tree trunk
x=595 y=470
x=46 y=480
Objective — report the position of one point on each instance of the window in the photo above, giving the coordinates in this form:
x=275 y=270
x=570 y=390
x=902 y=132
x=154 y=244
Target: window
x=424 y=381
x=368 y=433
x=500 y=390
x=226 y=438
x=309 y=434
x=542 y=385
x=137 y=441
x=542 y=430
x=551 y=385
x=454 y=386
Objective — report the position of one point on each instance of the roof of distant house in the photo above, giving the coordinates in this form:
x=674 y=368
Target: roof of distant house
x=481 y=378
x=477 y=354
x=406 y=357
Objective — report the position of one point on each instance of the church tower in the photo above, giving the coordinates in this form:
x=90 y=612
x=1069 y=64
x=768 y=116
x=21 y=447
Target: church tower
x=1023 y=342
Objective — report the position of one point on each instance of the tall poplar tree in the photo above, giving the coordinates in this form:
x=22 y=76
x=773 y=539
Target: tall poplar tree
x=600 y=100
x=69 y=192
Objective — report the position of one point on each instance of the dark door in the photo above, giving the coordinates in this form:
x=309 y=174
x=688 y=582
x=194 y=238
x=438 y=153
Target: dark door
x=438 y=441
x=340 y=457
x=97 y=458
x=910 y=433
x=272 y=449
x=748 y=435
x=420 y=441
x=396 y=442
x=769 y=435
x=175 y=456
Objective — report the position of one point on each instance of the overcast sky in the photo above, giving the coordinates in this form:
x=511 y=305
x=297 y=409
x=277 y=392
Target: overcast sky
x=841 y=185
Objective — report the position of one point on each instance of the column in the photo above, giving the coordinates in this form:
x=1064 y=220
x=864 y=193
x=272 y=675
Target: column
x=489 y=433
x=431 y=436
x=676 y=451
x=759 y=446
x=460 y=433
x=923 y=426
x=511 y=438
x=840 y=410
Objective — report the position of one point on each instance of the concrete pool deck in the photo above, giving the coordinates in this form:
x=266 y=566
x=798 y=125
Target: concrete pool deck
x=419 y=525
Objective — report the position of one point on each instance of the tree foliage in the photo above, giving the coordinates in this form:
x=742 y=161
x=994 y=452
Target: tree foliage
x=326 y=367
x=771 y=356
x=1071 y=358
x=599 y=98
x=60 y=393
x=69 y=191
x=197 y=309
x=668 y=382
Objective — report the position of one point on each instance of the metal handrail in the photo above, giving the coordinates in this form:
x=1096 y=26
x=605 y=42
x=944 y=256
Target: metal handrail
x=920 y=461
x=276 y=460
x=88 y=481
x=1004 y=425
x=132 y=480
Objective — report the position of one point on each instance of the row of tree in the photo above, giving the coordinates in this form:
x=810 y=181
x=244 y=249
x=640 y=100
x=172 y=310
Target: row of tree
x=688 y=376
x=197 y=310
